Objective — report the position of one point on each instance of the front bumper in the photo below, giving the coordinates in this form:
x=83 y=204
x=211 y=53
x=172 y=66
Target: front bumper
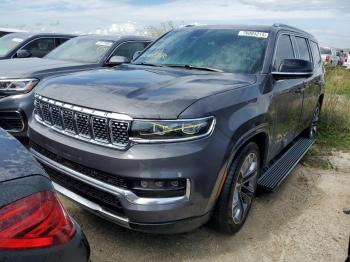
x=195 y=161
x=15 y=110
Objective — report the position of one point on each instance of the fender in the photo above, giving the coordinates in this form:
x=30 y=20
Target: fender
x=232 y=151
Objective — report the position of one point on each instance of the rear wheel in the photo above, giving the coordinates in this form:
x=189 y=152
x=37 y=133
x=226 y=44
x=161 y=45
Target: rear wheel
x=312 y=130
x=238 y=191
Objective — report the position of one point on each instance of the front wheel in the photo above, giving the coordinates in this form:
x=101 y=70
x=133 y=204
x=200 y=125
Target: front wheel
x=238 y=191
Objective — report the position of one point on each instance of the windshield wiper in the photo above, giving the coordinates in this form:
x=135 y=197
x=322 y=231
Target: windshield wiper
x=195 y=67
x=147 y=64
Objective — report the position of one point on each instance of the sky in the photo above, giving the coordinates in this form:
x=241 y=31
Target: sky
x=327 y=20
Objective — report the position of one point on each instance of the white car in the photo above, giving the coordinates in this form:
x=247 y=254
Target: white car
x=329 y=56
x=347 y=62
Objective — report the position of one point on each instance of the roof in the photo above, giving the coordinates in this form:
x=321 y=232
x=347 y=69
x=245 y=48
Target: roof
x=28 y=34
x=116 y=37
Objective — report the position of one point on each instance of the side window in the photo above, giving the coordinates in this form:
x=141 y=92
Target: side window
x=284 y=50
x=316 y=57
x=303 y=49
x=60 y=41
x=128 y=49
x=40 y=47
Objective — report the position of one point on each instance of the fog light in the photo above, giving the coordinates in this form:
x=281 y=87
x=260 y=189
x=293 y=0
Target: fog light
x=159 y=188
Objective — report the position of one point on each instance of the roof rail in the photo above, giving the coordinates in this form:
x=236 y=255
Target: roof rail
x=293 y=28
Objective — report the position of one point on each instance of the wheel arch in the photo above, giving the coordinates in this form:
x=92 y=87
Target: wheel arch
x=258 y=135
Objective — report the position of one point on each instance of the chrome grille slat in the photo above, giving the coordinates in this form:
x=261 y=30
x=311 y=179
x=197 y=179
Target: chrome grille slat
x=92 y=126
x=45 y=110
x=83 y=124
x=68 y=120
x=56 y=116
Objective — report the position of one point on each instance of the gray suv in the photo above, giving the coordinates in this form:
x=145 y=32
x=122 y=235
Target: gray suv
x=19 y=77
x=188 y=131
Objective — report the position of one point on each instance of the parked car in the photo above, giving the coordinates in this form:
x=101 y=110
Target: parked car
x=24 y=45
x=18 y=77
x=34 y=226
x=347 y=61
x=5 y=31
x=187 y=131
x=329 y=56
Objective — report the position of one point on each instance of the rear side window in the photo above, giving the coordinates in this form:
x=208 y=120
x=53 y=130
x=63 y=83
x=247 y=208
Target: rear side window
x=284 y=50
x=128 y=49
x=315 y=54
x=303 y=49
x=40 y=47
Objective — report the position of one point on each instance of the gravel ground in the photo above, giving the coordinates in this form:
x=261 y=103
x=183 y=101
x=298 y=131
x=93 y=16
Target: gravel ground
x=302 y=221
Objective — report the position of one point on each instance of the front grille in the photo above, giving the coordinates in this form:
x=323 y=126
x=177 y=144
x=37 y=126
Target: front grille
x=105 y=199
x=90 y=172
x=97 y=127
x=11 y=121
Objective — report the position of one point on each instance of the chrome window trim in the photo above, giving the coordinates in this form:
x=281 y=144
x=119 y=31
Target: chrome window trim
x=117 y=191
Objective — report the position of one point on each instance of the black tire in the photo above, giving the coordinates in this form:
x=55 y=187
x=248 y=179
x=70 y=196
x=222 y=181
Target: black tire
x=226 y=211
x=311 y=131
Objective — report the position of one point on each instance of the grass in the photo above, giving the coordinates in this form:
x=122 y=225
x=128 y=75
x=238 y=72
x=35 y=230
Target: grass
x=334 y=129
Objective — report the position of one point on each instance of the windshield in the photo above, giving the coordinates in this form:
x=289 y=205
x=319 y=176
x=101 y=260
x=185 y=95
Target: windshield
x=81 y=50
x=229 y=50
x=10 y=41
x=325 y=51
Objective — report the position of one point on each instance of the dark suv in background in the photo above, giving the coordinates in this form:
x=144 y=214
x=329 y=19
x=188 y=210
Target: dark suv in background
x=23 y=45
x=187 y=131
x=18 y=77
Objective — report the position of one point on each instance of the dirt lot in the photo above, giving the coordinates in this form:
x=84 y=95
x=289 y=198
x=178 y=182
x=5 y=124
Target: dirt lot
x=302 y=221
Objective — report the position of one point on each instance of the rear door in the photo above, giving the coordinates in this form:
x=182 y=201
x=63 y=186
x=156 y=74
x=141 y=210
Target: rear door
x=287 y=98
x=313 y=84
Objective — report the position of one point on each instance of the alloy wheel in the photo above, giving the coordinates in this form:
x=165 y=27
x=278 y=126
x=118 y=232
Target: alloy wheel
x=314 y=123
x=244 y=188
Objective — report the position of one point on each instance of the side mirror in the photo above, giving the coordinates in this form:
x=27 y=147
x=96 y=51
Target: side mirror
x=136 y=54
x=117 y=60
x=23 y=53
x=294 y=68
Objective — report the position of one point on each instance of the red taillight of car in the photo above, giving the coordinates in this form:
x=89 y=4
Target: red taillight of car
x=36 y=221
x=328 y=58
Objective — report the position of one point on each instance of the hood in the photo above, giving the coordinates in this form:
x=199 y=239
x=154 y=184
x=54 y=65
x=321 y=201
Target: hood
x=15 y=160
x=141 y=91
x=37 y=67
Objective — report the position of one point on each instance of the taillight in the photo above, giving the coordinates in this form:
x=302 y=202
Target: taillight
x=328 y=58
x=36 y=221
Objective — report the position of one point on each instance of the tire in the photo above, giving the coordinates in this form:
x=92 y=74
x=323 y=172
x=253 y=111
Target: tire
x=235 y=200
x=311 y=131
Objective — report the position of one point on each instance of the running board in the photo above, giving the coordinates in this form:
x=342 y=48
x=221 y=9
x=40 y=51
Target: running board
x=278 y=171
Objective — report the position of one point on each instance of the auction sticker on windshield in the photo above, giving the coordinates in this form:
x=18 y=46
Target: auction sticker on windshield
x=104 y=43
x=254 y=34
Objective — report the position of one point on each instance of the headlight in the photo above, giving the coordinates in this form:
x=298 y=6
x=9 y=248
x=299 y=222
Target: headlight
x=153 y=131
x=17 y=85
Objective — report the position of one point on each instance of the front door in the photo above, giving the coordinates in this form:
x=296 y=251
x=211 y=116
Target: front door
x=286 y=100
